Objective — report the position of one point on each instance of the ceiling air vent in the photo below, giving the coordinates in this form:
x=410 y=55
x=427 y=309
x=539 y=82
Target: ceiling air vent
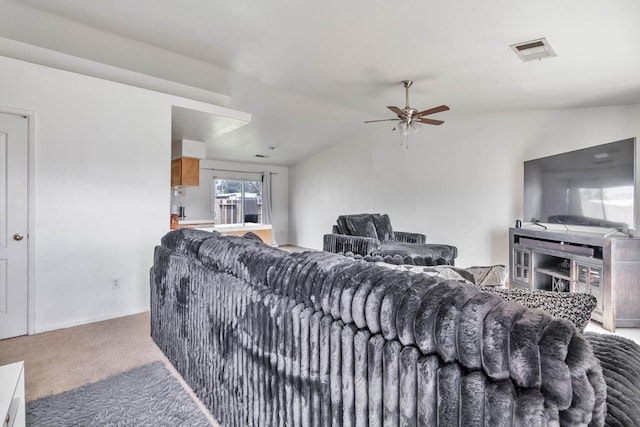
x=533 y=49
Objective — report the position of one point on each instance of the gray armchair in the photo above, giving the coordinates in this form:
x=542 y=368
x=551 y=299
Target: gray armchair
x=372 y=235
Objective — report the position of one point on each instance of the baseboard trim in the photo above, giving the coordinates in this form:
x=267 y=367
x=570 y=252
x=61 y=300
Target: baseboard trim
x=92 y=319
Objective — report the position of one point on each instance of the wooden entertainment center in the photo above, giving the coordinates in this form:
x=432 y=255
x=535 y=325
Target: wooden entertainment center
x=607 y=267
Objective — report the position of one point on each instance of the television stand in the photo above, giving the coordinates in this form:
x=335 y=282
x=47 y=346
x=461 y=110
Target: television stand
x=603 y=265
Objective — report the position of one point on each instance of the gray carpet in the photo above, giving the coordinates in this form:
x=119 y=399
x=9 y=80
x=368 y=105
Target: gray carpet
x=145 y=396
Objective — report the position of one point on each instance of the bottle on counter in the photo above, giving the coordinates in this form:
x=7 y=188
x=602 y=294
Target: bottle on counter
x=174 y=222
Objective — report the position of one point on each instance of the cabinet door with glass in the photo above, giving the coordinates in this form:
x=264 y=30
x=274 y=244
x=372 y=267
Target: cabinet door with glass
x=588 y=280
x=521 y=268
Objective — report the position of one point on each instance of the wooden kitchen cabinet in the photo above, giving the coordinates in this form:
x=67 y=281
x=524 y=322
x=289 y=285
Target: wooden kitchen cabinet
x=185 y=171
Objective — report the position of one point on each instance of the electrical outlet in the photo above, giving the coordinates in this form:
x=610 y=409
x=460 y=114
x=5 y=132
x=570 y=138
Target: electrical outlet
x=115 y=283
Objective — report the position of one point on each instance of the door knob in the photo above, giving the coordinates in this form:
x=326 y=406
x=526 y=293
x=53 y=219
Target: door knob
x=18 y=237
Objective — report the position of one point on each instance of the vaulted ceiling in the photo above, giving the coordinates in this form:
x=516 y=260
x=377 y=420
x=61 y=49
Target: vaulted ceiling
x=311 y=72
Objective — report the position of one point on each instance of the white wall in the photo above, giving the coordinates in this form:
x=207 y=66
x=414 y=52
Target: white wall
x=35 y=35
x=197 y=200
x=102 y=174
x=460 y=183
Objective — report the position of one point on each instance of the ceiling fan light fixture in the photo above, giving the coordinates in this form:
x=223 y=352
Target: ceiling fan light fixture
x=407 y=129
x=409 y=120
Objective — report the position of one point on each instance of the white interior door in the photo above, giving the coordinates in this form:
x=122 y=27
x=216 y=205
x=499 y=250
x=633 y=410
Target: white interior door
x=13 y=225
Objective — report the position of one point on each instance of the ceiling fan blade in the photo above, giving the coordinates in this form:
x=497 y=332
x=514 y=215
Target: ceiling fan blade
x=382 y=120
x=396 y=110
x=429 y=121
x=432 y=110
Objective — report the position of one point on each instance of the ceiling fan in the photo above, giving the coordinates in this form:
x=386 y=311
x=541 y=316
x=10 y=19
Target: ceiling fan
x=408 y=118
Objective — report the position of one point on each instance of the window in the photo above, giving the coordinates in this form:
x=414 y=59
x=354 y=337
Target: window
x=608 y=203
x=237 y=201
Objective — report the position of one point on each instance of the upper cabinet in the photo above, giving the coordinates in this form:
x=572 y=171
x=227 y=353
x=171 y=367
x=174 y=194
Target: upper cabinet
x=185 y=171
x=185 y=163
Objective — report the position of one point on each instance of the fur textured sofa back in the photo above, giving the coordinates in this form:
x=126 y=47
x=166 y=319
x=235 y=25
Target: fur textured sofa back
x=266 y=337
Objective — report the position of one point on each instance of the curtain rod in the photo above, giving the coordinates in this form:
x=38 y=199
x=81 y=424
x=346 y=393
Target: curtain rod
x=230 y=170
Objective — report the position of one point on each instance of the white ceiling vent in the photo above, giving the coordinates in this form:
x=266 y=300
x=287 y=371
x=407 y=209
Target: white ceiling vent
x=533 y=49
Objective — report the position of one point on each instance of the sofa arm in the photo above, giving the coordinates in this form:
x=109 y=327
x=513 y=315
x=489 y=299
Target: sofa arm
x=405 y=237
x=341 y=243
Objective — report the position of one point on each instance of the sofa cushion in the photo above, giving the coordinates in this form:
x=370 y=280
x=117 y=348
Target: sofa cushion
x=491 y=275
x=368 y=230
x=358 y=225
x=252 y=236
x=341 y=226
x=573 y=306
x=441 y=271
x=187 y=240
x=383 y=227
x=366 y=225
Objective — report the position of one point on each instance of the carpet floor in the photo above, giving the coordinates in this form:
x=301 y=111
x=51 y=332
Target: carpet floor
x=144 y=396
x=65 y=359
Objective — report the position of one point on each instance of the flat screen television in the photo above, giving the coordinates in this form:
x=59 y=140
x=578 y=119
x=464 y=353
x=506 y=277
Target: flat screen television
x=593 y=187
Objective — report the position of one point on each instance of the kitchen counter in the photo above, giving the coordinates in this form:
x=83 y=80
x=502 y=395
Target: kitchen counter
x=222 y=228
x=203 y=222
x=262 y=230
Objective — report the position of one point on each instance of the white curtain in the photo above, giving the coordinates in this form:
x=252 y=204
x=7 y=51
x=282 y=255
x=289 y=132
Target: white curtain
x=266 y=205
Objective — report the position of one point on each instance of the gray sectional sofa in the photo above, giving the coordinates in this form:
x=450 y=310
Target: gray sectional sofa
x=266 y=338
x=372 y=235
